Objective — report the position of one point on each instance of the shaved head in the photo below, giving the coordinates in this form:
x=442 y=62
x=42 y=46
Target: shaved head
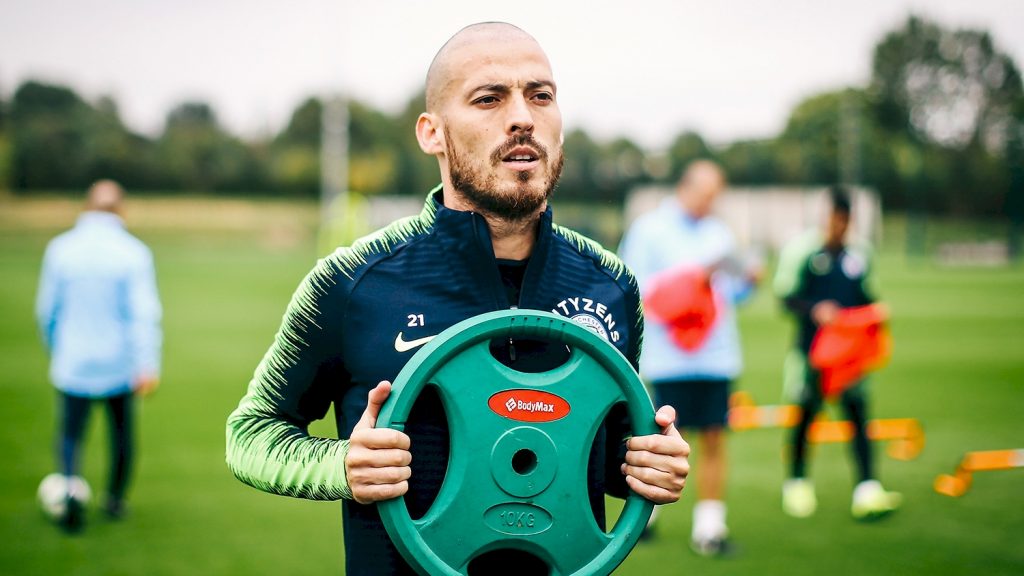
x=702 y=172
x=700 y=184
x=446 y=62
x=493 y=123
x=105 y=196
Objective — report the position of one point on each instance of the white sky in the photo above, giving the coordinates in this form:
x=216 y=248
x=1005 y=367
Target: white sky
x=645 y=69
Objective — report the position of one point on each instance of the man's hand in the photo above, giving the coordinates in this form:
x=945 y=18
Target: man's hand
x=145 y=385
x=656 y=465
x=825 y=312
x=377 y=463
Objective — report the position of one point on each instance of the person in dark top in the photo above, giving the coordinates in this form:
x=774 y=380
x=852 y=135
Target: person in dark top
x=484 y=241
x=818 y=276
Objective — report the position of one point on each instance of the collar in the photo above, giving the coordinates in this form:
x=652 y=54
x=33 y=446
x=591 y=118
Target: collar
x=672 y=206
x=462 y=226
x=99 y=218
x=467 y=239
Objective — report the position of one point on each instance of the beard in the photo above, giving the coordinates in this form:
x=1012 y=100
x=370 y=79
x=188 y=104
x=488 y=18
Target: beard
x=507 y=201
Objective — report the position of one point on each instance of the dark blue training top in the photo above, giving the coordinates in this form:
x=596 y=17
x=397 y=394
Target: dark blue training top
x=356 y=320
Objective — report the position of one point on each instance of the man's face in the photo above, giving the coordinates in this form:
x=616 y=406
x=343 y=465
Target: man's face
x=700 y=189
x=502 y=128
x=699 y=198
x=838 y=223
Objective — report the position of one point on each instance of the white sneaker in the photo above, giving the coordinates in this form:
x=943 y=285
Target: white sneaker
x=710 y=533
x=798 y=498
x=711 y=546
x=871 y=501
x=709 y=520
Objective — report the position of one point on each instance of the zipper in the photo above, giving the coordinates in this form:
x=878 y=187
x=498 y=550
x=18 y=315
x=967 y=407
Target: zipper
x=497 y=287
x=499 y=291
x=511 y=344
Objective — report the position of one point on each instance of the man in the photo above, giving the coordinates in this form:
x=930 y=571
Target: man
x=99 y=316
x=483 y=242
x=679 y=244
x=818 y=276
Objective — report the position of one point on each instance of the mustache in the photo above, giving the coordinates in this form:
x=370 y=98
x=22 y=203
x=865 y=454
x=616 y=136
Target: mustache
x=516 y=141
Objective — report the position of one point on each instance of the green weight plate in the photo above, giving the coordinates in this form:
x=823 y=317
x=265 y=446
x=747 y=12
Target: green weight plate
x=520 y=444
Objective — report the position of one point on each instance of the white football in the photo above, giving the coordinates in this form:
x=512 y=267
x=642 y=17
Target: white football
x=53 y=493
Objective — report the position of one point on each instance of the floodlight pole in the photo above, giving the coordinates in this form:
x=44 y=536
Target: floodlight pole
x=850 y=166
x=333 y=163
x=1015 y=194
x=849 y=139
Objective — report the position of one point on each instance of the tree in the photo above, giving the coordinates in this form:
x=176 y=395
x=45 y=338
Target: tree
x=686 y=148
x=416 y=172
x=954 y=95
x=579 y=172
x=295 y=152
x=60 y=141
x=751 y=161
x=596 y=171
x=951 y=87
x=304 y=126
x=196 y=154
x=5 y=147
x=373 y=149
x=115 y=152
x=47 y=125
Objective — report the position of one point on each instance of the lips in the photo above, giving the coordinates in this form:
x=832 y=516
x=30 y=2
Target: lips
x=521 y=154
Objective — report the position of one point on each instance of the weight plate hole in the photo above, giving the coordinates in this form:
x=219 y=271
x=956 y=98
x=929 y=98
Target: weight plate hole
x=530 y=356
x=507 y=561
x=427 y=427
x=524 y=461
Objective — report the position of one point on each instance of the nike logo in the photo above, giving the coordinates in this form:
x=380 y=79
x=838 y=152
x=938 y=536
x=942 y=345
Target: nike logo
x=404 y=346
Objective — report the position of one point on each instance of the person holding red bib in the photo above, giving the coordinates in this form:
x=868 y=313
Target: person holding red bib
x=824 y=282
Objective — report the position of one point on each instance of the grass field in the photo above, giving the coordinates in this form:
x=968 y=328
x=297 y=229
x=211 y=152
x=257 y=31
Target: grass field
x=226 y=271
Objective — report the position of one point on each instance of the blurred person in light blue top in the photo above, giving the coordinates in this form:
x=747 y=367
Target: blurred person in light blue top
x=99 y=315
x=682 y=233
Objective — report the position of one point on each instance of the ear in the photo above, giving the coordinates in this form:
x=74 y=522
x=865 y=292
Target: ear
x=430 y=134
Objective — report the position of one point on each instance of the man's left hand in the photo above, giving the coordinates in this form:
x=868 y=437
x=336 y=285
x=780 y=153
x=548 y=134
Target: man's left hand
x=145 y=384
x=656 y=465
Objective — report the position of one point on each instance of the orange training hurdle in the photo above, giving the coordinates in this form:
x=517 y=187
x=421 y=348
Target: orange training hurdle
x=905 y=436
x=959 y=482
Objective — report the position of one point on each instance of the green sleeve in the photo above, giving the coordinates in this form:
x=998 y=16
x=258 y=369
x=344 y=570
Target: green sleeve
x=792 y=261
x=268 y=443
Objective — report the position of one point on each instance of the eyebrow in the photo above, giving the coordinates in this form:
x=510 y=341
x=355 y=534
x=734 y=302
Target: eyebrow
x=505 y=88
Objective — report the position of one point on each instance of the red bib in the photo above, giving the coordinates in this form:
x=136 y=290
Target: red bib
x=681 y=298
x=857 y=342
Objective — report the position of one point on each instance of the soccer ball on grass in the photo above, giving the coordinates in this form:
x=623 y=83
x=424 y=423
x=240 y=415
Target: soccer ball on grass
x=54 y=491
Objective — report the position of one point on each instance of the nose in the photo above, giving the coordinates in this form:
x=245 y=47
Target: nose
x=520 y=118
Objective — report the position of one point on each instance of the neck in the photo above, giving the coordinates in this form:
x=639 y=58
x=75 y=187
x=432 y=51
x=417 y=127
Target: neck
x=511 y=239
x=688 y=209
x=107 y=209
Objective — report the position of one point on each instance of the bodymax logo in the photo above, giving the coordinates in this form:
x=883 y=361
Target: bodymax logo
x=528 y=405
x=512 y=404
x=593 y=316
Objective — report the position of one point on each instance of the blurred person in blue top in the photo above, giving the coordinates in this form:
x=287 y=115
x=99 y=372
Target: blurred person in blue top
x=682 y=234
x=99 y=315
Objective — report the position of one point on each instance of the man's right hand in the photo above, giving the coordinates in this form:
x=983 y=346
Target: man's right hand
x=377 y=464
x=825 y=312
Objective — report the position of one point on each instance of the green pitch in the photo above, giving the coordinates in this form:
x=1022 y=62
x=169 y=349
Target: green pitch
x=225 y=278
